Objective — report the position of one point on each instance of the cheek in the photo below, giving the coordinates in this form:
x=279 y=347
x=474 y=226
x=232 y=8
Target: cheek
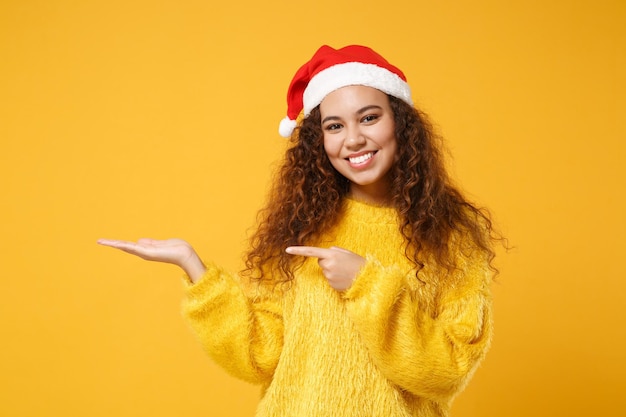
x=394 y=146
x=332 y=151
x=331 y=147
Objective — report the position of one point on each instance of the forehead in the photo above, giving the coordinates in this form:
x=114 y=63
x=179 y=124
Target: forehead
x=353 y=98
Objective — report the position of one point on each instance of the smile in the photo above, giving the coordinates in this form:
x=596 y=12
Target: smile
x=361 y=158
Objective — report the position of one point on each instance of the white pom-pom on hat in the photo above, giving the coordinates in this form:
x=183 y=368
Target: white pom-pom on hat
x=286 y=127
x=330 y=69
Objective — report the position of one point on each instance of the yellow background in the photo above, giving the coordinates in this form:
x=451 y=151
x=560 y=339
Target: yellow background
x=134 y=118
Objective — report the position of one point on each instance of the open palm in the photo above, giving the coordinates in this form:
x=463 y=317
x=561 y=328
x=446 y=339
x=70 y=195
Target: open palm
x=174 y=251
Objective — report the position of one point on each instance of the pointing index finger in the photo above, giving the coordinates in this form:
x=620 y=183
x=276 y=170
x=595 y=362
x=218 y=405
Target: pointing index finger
x=309 y=251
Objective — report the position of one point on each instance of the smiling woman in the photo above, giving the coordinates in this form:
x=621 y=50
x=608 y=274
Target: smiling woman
x=367 y=283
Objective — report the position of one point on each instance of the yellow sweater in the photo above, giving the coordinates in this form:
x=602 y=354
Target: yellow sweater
x=388 y=346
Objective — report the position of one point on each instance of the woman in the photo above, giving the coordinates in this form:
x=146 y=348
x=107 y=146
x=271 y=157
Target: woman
x=367 y=285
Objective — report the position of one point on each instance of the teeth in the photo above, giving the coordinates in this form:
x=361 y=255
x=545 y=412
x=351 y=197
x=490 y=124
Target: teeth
x=362 y=158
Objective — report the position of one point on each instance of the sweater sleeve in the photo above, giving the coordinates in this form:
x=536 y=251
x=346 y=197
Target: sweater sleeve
x=430 y=354
x=241 y=332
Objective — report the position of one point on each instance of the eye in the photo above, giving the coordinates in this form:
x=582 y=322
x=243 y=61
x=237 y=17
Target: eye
x=369 y=118
x=333 y=126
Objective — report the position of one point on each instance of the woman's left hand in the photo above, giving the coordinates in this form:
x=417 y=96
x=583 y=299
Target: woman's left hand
x=339 y=266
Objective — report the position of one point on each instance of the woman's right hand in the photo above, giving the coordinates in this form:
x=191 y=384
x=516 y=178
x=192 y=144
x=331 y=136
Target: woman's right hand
x=172 y=251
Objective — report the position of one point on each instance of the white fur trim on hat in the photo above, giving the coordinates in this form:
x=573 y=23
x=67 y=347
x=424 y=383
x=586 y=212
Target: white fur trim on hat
x=354 y=73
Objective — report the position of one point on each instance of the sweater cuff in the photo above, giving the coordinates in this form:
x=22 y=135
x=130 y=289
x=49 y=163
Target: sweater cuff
x=213 y=274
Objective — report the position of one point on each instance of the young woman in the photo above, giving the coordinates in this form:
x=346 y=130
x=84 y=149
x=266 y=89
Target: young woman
x=367 y=284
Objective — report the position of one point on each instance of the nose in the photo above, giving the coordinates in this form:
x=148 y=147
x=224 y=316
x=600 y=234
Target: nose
x=355 y=139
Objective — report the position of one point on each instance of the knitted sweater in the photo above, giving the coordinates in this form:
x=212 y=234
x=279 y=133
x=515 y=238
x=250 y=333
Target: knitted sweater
x=391 y=345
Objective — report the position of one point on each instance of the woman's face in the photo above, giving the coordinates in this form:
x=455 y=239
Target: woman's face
x=359 y=139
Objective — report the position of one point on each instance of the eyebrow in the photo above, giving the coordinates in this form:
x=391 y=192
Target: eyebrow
x=359 y=112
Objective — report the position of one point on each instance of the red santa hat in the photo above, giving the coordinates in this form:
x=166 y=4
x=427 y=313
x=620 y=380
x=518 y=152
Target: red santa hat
x=330 y=69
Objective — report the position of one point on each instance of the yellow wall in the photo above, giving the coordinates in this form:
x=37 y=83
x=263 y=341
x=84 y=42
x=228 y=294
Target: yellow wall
x=156 y=118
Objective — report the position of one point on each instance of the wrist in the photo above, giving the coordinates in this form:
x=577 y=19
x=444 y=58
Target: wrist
x=194 y=267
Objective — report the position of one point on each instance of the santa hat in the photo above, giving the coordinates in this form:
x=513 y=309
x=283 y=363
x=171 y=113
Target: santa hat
x=330 y=69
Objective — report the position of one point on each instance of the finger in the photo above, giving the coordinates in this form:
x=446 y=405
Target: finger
x=146 y=241
x=118 y=244
x=340 y=249
x=111 y=242
x=309 y=251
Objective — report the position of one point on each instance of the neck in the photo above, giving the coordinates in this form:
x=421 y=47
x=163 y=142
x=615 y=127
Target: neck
x=372 y=194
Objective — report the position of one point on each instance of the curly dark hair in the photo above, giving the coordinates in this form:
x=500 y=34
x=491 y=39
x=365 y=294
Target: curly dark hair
x=307 y=195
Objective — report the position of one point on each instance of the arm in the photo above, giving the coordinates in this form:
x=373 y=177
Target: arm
x=433 y=354
x=242 y=333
